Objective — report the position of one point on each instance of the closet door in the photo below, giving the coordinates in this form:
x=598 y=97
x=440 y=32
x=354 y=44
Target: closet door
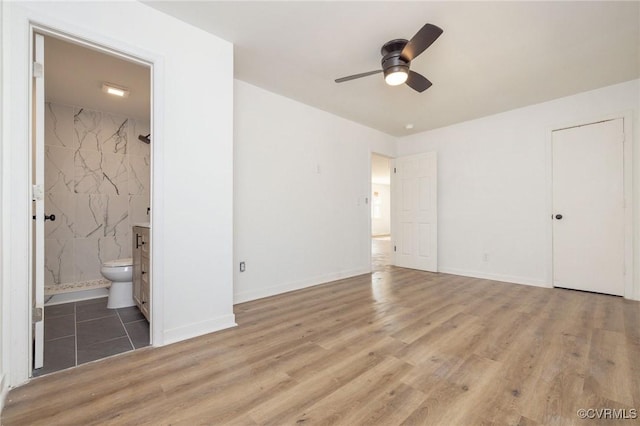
x=588 y=208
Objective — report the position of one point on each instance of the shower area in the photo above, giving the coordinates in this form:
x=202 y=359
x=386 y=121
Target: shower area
x=97 y=186
x=97 y=160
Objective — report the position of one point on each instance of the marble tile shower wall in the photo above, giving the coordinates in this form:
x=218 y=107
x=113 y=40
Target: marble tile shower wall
x=97 y=183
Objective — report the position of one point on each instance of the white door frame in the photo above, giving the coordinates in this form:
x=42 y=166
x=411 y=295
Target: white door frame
x=16 y=145
x=37 y=174
x=627 y=117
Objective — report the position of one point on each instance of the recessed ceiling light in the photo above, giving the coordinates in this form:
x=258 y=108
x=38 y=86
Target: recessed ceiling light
x=408 y=126
x=112 y=89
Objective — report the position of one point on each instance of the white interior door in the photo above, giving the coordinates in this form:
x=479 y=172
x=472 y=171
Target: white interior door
x=38 y=203
x=415 y=211
x=588 y=208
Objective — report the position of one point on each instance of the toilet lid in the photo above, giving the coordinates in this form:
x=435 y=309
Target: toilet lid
x=128 y=261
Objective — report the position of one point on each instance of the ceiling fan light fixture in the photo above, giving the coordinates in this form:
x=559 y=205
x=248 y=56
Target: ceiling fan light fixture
x=397 y=55
x=395 y=76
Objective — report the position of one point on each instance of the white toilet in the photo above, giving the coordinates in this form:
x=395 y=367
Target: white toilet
x=120 y=273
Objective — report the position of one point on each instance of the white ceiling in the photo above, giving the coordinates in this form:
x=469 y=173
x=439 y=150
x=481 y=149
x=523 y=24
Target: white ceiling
x=74 y=76
x=492 y=57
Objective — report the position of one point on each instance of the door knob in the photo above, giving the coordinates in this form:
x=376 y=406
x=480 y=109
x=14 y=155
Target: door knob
x=50 y=217
x=558 y=216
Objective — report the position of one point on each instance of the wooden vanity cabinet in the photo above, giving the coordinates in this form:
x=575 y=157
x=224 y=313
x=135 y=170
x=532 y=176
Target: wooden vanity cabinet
x=141 y=284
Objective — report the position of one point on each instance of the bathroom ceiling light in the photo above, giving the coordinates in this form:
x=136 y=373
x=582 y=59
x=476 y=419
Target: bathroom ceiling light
x=112 y=89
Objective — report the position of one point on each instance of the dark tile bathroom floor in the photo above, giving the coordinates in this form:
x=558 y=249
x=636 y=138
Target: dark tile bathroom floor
x=79 y=332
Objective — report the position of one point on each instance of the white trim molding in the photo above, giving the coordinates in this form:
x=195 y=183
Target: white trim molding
x=496 y=277
x=198 y=329
x=297 y=285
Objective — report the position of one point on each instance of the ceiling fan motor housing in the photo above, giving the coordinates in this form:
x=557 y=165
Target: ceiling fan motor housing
x=392 y=60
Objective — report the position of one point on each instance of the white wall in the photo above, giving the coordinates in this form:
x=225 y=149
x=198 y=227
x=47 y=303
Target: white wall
x=301 y=179
x=382 y=224
x=494 y=184
x=192 y=163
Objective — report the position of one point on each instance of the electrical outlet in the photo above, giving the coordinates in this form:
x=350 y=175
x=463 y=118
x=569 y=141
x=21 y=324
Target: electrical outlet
x=242 y=267
x=485 y=257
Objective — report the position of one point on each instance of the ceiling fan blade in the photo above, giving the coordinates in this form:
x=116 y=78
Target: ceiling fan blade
x=418 y=82
x=419 y=43
x=353 y=77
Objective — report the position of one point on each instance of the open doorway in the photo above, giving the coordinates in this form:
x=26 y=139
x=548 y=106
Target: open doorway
x=92 y=166
x=380 y=212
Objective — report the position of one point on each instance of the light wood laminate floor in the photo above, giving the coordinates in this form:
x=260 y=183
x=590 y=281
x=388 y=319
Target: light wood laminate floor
x=395 y=347
x=380 y=253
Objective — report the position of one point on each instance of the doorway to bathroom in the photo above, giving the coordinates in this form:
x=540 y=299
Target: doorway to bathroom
x=381 y=250
x=91 y=176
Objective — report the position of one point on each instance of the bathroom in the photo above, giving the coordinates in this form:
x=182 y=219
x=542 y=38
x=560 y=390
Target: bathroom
x=97 y=205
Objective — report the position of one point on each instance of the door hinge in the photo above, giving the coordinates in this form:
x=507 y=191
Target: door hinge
x=38 y=70
x=394 y=248
x=394 y=170
x=36 y=315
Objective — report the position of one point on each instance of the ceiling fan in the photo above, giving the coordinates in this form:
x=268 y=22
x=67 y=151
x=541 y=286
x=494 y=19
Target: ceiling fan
x=397 y=56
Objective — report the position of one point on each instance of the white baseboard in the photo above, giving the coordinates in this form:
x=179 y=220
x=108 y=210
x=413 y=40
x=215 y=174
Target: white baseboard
x=247 y=296
x=198 y=329
x=496 y=277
